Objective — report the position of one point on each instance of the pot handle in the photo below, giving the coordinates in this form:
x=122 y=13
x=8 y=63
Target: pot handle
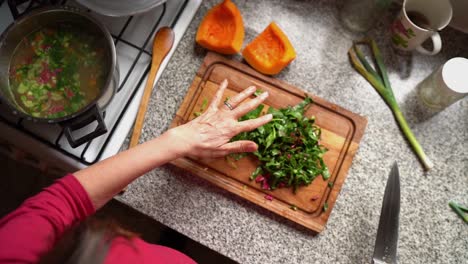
x=86 y=118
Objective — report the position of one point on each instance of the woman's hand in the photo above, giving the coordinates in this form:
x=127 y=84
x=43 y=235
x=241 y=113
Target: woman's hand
x=208 y=135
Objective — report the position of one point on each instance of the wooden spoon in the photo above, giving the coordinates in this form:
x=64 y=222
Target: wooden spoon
x=162 y=44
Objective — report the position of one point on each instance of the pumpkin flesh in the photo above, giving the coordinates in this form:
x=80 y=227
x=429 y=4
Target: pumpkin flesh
x=270 y=51
x=222 y=29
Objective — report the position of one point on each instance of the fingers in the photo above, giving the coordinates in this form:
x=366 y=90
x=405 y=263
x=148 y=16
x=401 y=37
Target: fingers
x=237 y=147
x=252 y=124
x=250 y=105
x=239 y=98
x=219 y=95
x=228 y=148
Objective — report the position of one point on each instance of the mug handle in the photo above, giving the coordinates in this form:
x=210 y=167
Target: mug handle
x=436 y=42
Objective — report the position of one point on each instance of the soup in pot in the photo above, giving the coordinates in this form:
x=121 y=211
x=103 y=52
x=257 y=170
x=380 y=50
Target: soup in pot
x=57 y=70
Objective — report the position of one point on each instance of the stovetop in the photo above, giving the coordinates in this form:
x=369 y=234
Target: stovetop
x=133 y=39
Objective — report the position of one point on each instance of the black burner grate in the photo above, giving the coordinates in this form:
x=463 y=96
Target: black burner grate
x=20 y=7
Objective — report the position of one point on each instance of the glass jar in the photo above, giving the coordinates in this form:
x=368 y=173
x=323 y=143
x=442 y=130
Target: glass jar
x=446 y=85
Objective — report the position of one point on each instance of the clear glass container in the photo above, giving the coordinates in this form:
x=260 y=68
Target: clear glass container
x=446 y=85
x=361 y=15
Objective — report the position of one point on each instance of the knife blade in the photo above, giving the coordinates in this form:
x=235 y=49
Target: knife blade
x=386 y=242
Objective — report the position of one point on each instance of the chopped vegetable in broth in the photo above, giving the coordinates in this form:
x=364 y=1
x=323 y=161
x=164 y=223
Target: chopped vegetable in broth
x=57 y=70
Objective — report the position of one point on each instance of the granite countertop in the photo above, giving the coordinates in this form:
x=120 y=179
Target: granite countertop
x=429 y=231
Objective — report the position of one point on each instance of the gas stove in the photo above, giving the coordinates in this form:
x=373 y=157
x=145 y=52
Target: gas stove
x=46 y=143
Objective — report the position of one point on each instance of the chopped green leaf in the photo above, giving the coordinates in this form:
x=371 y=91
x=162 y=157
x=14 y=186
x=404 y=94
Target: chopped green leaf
x=231 y=163
x=202 y=108
x=288 y=147
x=255 y=174
x=258 y=92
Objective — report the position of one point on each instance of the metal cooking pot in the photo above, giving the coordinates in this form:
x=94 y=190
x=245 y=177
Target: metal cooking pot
x=118 y=8
x=36 y=20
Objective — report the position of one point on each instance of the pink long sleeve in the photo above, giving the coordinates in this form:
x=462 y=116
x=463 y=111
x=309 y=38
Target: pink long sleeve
x=33 y=229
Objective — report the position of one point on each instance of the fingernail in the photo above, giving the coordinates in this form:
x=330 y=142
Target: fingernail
x=269 y=116
x=251 y=89
x=251 y=147
x=264 y=95
x=225 y=81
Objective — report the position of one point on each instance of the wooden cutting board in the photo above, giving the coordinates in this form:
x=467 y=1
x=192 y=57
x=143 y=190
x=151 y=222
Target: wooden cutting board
x=342 y=131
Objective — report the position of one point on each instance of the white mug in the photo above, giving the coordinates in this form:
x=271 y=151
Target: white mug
x=418 y=21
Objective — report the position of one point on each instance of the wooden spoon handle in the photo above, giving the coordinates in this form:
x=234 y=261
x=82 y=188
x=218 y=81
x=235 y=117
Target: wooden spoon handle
x=162 y=44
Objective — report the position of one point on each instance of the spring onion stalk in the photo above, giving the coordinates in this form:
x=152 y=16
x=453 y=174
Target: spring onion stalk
x=460 y=210
x=378 y=78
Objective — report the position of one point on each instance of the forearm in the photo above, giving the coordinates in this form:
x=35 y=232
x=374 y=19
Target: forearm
x=105 y=179
x=208 y=135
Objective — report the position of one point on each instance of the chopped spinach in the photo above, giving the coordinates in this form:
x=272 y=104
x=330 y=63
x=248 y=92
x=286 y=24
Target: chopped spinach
x=289 y=150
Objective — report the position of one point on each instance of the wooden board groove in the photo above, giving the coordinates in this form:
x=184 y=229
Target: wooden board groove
x=342 y=132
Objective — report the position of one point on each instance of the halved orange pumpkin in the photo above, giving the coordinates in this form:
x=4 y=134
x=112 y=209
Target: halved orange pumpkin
x=222 y=29
x=270 y=51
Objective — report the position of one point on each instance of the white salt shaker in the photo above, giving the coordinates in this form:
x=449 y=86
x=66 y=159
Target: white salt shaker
x=446 y=85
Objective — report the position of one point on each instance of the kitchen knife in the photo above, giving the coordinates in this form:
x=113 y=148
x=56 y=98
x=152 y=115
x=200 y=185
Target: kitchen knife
x=385 y=250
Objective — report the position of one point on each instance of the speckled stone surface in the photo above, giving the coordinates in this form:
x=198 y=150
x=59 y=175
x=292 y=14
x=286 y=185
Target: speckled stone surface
x=429 y=231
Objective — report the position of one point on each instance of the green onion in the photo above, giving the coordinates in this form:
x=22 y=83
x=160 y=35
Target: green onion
x=460 y=210
x=379 y=80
